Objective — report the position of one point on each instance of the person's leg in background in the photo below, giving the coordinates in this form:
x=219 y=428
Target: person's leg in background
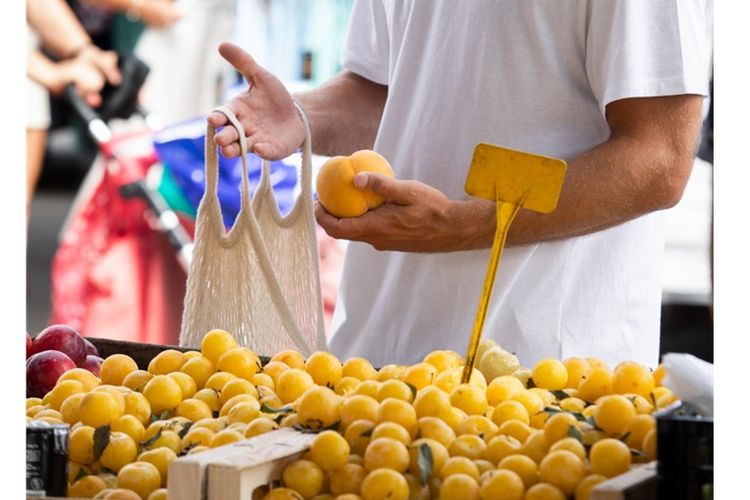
x=36 y=140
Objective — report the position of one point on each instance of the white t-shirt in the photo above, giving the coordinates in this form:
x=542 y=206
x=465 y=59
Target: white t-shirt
x=531 y=75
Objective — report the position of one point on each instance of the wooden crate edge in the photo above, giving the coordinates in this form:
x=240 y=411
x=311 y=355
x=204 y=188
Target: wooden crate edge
x=632 y=485
x=190 y=477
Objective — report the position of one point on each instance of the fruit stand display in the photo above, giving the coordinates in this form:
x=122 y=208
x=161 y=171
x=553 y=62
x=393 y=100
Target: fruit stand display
x=220 y=421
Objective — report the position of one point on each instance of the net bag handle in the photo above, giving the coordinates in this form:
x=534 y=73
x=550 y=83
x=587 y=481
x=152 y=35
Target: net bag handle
x=246 y=213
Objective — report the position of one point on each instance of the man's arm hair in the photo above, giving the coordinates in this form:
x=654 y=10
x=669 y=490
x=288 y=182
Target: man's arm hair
x=643 y=167
x=344 y=113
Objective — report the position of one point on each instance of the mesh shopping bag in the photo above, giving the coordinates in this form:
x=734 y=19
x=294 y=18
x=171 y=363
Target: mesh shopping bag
x=260 y=280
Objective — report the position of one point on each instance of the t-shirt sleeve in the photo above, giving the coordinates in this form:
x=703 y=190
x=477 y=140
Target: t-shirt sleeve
x=366 y=46
x=648 y=48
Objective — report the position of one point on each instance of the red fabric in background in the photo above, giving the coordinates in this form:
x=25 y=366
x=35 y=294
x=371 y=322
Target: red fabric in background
x=331 y=257
x=113 y=276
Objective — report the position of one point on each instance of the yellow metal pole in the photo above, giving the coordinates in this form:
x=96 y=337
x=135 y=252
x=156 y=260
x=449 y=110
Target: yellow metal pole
x=506 y=212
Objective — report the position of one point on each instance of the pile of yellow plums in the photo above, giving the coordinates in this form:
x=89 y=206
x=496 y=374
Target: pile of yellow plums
x=397 y=432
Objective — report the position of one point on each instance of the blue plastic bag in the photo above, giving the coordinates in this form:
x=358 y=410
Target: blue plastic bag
x=181 y=148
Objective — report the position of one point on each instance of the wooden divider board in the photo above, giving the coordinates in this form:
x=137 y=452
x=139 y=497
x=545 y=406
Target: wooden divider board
x=233 y=471
x=639 y=483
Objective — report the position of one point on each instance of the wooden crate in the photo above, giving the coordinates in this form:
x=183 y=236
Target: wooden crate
x=238 y=469
x=640 y=483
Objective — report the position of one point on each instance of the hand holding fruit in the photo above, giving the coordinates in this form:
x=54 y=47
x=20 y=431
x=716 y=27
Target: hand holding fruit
x=336 y=187
x=416 y=218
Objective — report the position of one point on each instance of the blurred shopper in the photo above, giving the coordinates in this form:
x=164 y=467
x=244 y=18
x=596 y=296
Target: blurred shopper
x=52 y=25
x=187 y=76
x=614 y=87
x=155 y=13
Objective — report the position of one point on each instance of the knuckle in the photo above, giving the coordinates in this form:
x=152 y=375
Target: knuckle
x=333 y=231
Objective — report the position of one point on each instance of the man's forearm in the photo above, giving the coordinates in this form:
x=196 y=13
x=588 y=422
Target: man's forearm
x=628 y=176
x=344 y=114
x=613 y=183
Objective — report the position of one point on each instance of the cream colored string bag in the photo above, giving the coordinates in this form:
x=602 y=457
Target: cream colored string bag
x=260 y=281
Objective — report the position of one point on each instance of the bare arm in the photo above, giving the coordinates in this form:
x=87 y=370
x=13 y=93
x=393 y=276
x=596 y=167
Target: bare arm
x=155 y=13
x=61 y=32
x=344 y=114
x=54 y=76
x=642 y=167
x=57 y=26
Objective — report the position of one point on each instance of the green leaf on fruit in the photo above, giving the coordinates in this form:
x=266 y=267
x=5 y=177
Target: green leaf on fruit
x=139 y=387
x=579 y=416
x=185 y=429
x=530 y=383
x=267 y=409
x=304 y=430
x=367 y=433
x=147 y=443
x=316 y=427
x=425 y=461
x=624 y=437
x=82 y=472
x=166 y=415
x=334 y=426
x=101 y=440
x=552 y=410
x=592 y=422
x=637 y=453
x=413 y=390
x=560 y=395
x=575 y=433
x=190 y=446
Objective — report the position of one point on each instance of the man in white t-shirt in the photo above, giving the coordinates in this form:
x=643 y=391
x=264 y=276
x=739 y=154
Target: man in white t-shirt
x=614 y=87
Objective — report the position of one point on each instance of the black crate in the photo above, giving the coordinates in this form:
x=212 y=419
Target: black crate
x=46 y=459
x=685 y=449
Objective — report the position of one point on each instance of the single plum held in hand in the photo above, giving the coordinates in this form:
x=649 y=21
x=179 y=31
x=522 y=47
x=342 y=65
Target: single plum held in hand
x=43 y=369
x=61 y=338
x=335 y=183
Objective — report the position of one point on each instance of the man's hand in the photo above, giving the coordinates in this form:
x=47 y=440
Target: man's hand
x=266 y=111
x=416 y=218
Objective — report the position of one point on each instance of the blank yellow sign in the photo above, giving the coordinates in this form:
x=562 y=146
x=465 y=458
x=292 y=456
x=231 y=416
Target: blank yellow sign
x=524 y=179
x=512 y=179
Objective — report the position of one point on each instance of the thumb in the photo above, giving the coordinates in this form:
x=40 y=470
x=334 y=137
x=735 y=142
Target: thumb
x=392 y=189
x=241 y=60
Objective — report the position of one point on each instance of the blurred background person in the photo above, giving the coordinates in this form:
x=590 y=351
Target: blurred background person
x=52 y=24
x=187 y=76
